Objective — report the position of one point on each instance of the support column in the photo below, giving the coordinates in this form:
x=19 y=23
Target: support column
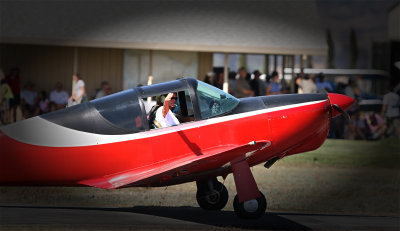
x=283 y=81
x=150 y=80
x=266 y=63
x=75 y=67
x=293 y=81
x=275 y=62
x=225 y=86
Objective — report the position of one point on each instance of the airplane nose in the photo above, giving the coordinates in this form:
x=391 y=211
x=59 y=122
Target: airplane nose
x=342 y=101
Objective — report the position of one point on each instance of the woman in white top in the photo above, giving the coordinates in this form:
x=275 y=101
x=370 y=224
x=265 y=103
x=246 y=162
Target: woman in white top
x=78 y=91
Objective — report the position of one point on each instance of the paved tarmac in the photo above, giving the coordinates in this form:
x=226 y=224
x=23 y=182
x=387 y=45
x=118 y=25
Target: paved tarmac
x=177 y=218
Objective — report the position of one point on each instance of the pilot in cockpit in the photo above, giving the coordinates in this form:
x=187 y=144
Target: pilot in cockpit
x=164 y=115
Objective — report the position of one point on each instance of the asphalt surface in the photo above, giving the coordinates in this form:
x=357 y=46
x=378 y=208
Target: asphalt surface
x=177 y=218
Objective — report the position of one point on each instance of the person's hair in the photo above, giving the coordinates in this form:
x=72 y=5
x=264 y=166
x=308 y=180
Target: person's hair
x=104 y=83
x=43 y=94
x=77 y=75
x=274 y=73
x=321 y=77
x=242 y=69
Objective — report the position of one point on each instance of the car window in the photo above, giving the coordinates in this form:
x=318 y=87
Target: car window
x=213 y=101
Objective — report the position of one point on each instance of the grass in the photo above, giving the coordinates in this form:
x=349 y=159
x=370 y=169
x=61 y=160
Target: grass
x=350 y=153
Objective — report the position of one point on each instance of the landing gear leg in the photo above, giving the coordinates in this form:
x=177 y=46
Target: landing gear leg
x=249 y=203
x=211 y=194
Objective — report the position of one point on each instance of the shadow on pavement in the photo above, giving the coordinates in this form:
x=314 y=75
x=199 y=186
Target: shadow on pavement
x=226 y=219
x=218 y=218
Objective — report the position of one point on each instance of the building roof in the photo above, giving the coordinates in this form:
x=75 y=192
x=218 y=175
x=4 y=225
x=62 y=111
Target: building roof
x=274 y=27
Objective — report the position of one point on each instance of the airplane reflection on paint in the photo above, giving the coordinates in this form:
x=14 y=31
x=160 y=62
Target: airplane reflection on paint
x=109 y=142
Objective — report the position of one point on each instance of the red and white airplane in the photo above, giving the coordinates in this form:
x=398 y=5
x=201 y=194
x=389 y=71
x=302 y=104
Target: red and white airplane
x=109 y=143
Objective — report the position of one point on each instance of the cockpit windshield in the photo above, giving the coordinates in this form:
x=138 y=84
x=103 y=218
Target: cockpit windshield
x=122 y=110
x=213 y=101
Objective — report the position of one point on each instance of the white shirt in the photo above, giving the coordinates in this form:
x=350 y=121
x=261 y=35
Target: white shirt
x=29 y=96
x=77 y=91
x=60 y=97
x=391 y=99
x=308 y=86
x=168 y=120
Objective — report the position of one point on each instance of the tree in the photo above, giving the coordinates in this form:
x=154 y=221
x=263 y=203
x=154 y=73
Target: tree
x=331 y=49
x=353 y=49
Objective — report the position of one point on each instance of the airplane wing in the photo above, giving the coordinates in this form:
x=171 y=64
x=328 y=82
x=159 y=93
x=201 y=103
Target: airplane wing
x=208 y=159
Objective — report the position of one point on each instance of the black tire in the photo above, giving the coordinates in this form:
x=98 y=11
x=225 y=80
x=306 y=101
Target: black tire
x=212 y=200
x=242 y=213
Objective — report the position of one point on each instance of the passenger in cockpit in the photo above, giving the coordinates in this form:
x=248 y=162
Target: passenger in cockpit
x=164 y=115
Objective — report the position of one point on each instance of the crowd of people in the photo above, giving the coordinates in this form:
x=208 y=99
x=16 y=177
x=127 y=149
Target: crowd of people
x=245 y=84
x=17 y=104
x=365 y=125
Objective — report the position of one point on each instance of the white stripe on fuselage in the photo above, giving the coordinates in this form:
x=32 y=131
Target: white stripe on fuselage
x=38 y=131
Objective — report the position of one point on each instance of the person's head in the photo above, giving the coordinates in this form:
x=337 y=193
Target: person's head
x=14 y=71
x=321 y=77
x=59 y=86
x=106 y=87
x=43 y=95
x=256 y=74
x=76 y=77
x=173 y=102
x=209 y=77
x=242 y=72
x=29 y=85
x=390 y=88
x=275 y=76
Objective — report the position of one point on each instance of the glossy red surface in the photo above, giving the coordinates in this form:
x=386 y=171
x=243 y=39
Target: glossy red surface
x=290 y=131
x=342 y=101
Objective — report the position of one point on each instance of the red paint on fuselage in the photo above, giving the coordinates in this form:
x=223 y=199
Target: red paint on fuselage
x=290 y=131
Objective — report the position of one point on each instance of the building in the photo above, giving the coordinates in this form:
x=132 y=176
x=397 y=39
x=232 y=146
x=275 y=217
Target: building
x=125 y=42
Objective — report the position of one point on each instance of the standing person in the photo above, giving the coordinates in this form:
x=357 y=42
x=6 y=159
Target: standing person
x=307 y=84
x=7 y=96
x=58 y=97
x=219 y=82
x=209 y=78
x=323 y=85
x=391 y=111
x=242 y=87
x=78 y=91
x=13 y=80
x=274 y=87
x=104 y=91
x=257 y=85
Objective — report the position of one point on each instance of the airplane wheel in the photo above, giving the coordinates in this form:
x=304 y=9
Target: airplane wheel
x=214 y=199
x=252 y=209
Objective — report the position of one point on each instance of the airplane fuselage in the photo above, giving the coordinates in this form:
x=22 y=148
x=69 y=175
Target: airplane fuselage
x=38 y=152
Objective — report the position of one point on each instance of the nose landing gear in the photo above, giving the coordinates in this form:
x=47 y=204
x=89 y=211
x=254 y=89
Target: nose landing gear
x=249 y=203
x=250 y=209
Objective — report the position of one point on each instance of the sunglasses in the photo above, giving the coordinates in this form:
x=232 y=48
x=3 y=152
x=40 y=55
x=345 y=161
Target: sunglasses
x=175 y=98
